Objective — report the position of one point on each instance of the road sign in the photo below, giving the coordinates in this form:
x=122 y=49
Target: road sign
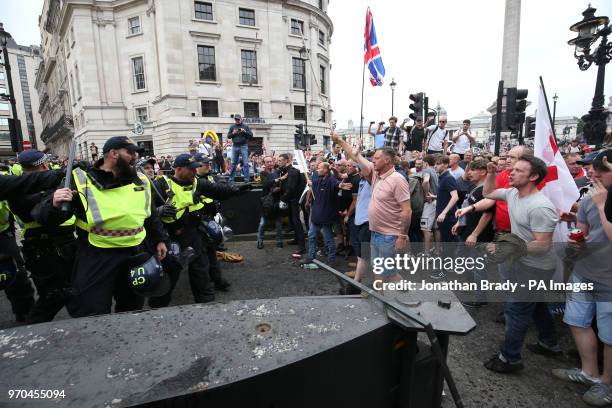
x=27 y=145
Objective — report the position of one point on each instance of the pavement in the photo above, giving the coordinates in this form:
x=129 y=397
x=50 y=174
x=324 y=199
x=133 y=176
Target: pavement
x=271 y=272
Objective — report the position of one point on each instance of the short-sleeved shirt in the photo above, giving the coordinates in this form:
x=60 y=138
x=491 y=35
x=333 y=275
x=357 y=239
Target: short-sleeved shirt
x=393 y=136
x=364 y=195
x=502 y=219
x=457 y=173
x=462 y=144
x=534 y=213
x=446 y=184
x=437 y=138
x=388 y=191
x=473 y=217
x=433 y=179
x=592 y=266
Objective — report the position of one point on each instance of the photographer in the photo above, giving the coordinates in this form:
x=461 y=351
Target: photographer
x=240 y=134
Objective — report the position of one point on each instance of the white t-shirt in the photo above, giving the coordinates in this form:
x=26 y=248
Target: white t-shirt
x=204 y=148
x=436 y=139
x=457 y=173
x=462 y=144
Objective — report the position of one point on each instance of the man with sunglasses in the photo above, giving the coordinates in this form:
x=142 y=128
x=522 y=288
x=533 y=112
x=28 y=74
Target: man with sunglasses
x=437 y=137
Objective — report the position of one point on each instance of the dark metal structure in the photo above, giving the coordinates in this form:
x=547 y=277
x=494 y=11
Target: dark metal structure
x=590 y=29
x=14 y=123
x=287 y=352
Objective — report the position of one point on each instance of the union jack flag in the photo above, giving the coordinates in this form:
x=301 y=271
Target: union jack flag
x=372 y=54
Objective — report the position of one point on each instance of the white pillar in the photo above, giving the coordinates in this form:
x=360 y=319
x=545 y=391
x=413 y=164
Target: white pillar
x=512 y=34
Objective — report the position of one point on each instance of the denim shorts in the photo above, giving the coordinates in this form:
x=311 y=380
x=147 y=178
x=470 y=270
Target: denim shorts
x=381 y=247
x=580 y=312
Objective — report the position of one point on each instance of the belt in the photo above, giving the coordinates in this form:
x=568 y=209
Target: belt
x=116 y=233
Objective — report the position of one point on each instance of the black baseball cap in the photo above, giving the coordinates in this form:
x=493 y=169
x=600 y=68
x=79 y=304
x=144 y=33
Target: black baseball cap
x=588 y=159
x=186 y=160
x=598 y=160
x=121 y=142
x=202 y=158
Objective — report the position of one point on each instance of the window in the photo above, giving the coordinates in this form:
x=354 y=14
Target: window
x=74 y=97
x=246 y=17
x=139 y=73
x=297 y=27
x=299 y=67
x=2 y=76
x=206 y=63
x=203 y=11
x=72 y=35
x=323 y=85
x=299 y=112
x=321 y=5
x=251 y=109
x=249 y=66
x=210 y=109
x=322 y=37
x=323 y=116
x=134 y=25
x=142 y=114
x=78 y=81
x=2 y=90
x=3 y=122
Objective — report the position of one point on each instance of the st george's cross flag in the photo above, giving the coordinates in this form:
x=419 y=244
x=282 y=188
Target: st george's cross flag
x=372 y=56
x=559 y=185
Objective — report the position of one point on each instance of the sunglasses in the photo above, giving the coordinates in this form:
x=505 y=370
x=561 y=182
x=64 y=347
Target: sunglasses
x=442 y=121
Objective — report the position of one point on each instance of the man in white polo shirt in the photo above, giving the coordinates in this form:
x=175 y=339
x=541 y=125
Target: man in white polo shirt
x=463 y=139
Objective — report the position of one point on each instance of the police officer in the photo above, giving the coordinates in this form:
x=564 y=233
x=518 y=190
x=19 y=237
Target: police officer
x=114 y=212
x=181 y=215
x=210 y=209
x=20 y=292
x=48 y=250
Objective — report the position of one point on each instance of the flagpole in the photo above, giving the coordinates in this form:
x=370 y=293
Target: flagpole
x=361 y=115
x=548 y=110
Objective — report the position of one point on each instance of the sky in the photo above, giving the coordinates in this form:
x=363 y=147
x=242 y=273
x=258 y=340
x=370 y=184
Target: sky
x=447 y=48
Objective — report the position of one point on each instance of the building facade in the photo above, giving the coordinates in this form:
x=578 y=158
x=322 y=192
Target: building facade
x=24 y=61
x=180 y=68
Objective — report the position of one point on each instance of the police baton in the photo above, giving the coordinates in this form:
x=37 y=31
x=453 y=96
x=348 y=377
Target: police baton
x=153 y=186
x=71 y=154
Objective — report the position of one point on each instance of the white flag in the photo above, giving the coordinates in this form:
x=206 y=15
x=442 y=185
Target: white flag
x=559 y=185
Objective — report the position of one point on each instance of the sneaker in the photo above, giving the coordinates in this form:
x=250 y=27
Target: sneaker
x=309 y=266
x=574 y=375
x=496 y=364
x=259 y=244
x=599 y=395
x=300 y=252
x=543 y=350
x=279 y=244
x=438 y=275
x=350 y=274
x=306 y=260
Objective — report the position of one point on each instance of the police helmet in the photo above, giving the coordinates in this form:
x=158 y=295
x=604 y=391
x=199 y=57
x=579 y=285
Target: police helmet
x=148 y=278
x=213 y=231
x=8 y=271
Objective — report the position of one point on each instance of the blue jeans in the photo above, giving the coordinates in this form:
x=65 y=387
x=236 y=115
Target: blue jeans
x=382 y=246
x=328 y=236
x=519 y=314
x=262 y=225
x=240 y=153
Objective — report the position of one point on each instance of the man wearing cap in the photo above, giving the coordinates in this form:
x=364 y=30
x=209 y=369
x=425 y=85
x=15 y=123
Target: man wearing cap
x=182 y=193
x=48 y=250
x=147 y=166
x=114 y=212
x=239 y=133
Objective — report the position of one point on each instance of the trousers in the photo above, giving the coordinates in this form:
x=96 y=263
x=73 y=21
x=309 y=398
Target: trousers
x=20 y=293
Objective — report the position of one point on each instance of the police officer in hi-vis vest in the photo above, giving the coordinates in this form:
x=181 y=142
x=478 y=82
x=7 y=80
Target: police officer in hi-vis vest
x=182 y=193
x=48 y=250
x=18 y=290
x=114 y=212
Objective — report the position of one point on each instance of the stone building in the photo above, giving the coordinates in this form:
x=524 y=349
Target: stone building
x=181 y=67
x=24 y=61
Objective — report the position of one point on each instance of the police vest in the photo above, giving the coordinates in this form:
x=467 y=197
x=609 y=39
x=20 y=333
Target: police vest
x=4 y=212
x=207 y=200
x=16 y=169
x=33 y=224
x=182 y=198
x=115 y=217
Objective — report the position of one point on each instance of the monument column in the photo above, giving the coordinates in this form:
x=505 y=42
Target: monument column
x=512 y=34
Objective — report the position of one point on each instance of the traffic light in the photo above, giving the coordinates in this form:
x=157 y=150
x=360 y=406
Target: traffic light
x=313 y=139
x=298 y=137
x=516 y=103
x=15 y=135
x=416 y=106
x=530 y=125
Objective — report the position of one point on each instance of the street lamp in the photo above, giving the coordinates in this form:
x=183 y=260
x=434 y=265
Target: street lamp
x=555 y=98
x=304 y=58
x=589 y=29
x=392 y=85
x=14 y=124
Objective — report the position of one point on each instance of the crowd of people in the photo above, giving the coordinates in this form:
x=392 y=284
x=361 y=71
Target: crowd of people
x=421 y=184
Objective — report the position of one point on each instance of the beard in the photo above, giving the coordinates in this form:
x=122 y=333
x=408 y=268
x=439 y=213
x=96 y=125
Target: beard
x=125 y=168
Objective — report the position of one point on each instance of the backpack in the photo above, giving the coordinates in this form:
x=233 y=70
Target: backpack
x=417 y=195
